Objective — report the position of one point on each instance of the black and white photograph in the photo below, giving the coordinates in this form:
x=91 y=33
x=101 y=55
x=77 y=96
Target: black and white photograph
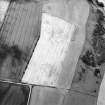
x=52 y=52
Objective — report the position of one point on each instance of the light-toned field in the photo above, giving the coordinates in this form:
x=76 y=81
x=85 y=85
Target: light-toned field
x=74 y=16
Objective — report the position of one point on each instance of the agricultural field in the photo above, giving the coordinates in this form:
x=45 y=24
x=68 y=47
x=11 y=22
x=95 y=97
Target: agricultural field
x=52 y=52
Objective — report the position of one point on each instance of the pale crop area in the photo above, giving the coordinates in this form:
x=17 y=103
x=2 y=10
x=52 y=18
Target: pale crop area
x=3 y=8
x=46 y=62
x=55 y=56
